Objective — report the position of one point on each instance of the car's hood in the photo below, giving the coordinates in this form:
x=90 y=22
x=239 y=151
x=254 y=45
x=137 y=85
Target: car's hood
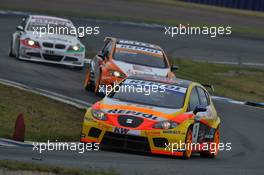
x=66 y=39
x=130 y=69
x=113 y=106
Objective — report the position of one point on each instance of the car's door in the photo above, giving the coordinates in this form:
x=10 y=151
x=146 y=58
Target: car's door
x=200 y=129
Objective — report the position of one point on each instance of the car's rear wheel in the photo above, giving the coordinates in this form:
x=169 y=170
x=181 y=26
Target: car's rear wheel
x=188 y=145
x=212 y=153
x=88 y=84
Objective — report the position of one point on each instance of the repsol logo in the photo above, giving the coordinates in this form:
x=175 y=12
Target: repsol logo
x=128 y=112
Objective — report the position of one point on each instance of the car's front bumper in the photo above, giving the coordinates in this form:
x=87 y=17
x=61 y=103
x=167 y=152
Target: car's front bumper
x=58 y=56
x=152 y=141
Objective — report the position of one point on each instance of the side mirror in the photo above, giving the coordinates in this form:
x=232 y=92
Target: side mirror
x=199 y=108
x=20 y=28
x=174 y=67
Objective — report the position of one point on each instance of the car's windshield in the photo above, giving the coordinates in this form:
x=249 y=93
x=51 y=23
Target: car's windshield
x=51 y=27
x=150 y=93
x=140 y=55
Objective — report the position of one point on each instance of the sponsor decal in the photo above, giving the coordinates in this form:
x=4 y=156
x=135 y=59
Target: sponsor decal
x=139 y=48
x=134 y=113
x=153 y=133
x=171 y=132
x=136 y=43
x=120 y=130
x=125 y=131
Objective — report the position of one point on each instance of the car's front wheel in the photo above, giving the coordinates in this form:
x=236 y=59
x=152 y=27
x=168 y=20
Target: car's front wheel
x=10 y=53
x=188 y=145
x=88 y=84
x=97 y=88
x=18 y=52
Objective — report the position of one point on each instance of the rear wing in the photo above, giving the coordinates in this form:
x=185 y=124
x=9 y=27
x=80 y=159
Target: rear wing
x=209 y=86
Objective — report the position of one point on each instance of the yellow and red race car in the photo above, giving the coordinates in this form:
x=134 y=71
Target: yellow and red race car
x=155 y=114
x=120 y=58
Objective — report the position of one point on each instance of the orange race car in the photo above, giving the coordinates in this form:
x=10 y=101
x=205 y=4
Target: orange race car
x=120 y=58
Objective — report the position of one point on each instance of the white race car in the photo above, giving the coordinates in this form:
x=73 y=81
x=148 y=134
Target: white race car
x=47 y=39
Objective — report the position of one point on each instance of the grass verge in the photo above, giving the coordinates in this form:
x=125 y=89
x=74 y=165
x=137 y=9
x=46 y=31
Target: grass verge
x=44 y=118
x=241 y=83
x=32 y=168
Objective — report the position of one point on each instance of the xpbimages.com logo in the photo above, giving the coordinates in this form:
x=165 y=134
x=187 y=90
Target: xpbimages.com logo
x=212 y=147
x=65 y=30
x=212 y=31
x=145 y=89
x=64 y=146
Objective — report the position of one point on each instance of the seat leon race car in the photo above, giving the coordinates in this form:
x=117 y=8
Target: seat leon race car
x=120 y=58
x=47 y=39
x=157 y=115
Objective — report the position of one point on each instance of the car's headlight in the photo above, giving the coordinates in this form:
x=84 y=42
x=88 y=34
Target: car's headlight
x=76 y=48
x=165 y=125
x=117 y=74
x=98 y=114
x=30 y=43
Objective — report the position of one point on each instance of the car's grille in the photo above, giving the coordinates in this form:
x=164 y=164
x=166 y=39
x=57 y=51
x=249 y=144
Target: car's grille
x=130 y=121
x=125 y=142
x=70 y=59
x=48 y=45
x=33 y=54
x=53 y=57
x=60 y=46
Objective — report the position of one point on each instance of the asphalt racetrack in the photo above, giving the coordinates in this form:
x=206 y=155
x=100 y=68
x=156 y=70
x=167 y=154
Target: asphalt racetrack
x=241 y=125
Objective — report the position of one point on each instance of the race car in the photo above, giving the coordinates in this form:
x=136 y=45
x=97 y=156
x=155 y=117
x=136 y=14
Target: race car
x=120 y=58
x=47 y=39
x=155 y=114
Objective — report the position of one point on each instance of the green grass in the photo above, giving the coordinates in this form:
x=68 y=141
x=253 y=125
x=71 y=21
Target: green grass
x=242 y=83
x=34 y=168
x=44 y=118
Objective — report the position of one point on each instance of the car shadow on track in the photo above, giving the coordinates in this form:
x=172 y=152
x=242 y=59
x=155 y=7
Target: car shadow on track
x=148 y=154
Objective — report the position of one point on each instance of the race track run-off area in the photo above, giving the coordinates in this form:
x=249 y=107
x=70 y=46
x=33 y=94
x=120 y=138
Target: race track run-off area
x=241 y=125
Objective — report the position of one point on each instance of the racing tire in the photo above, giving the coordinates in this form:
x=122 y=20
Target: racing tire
x=188 y=142
x=88 y=84
x=18 y=52
x=10 y=53
x=216 y=141
x=97 y=87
